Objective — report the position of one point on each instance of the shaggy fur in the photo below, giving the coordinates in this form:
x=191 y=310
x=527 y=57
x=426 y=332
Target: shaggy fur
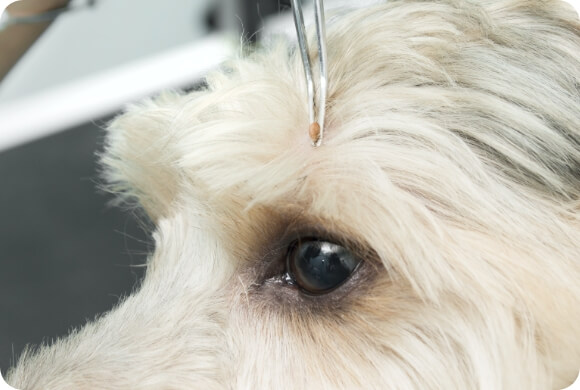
x=450 y=165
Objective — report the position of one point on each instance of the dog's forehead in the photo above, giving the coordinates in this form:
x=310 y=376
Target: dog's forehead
x=426 y=114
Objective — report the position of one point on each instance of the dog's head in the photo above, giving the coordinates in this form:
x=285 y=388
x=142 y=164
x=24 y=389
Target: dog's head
x=431 y=242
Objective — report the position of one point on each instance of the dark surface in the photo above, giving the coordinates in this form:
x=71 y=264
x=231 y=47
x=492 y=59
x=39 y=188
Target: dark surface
x=252 y=14
x=65 y=255
x=247 y=16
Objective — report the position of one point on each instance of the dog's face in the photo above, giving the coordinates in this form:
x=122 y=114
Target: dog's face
x=431 y=242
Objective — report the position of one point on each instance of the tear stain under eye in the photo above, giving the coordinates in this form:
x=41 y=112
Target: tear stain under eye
x=280 y=293
x=280 y=296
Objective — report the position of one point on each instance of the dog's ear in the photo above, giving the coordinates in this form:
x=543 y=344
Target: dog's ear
x=139 y=161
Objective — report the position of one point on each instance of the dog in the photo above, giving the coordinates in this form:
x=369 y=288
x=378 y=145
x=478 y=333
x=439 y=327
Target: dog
x=431 y=242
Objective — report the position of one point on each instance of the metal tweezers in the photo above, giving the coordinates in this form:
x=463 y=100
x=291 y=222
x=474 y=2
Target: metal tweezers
x=316 y=129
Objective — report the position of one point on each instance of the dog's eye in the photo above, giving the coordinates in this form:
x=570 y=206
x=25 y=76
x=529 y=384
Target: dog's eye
x=319 y=266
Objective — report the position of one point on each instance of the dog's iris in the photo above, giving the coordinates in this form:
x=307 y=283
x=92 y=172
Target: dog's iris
x=320 y=266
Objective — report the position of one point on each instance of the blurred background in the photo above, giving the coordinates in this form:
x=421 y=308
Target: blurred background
x=66 y=68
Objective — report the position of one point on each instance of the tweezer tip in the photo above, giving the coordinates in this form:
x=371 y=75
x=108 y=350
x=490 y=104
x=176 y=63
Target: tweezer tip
x=314 y=132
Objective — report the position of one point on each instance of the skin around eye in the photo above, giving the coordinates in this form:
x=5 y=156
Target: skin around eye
x=319 y=267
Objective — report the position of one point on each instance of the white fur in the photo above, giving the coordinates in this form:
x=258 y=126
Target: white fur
x=451 y=155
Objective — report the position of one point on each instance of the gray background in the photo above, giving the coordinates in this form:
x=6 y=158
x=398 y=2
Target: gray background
x=65 y=255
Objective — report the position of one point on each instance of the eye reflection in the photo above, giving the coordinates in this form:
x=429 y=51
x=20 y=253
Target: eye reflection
x=319 y=266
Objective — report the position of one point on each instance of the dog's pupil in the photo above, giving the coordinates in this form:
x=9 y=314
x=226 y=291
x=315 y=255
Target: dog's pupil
x=320 y=266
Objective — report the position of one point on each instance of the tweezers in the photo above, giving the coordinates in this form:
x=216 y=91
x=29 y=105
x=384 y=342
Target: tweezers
x=316 y=129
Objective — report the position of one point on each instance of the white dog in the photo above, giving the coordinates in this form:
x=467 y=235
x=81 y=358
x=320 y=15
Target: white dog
x=431 y=242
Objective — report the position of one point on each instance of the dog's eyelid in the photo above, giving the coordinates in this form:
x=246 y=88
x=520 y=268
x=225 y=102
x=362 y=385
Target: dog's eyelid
x=296 y=226
x=357 y=247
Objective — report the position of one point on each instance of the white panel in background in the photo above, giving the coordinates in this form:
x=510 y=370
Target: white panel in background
x=27 y=118
x=93 y=60
x=88 y=40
